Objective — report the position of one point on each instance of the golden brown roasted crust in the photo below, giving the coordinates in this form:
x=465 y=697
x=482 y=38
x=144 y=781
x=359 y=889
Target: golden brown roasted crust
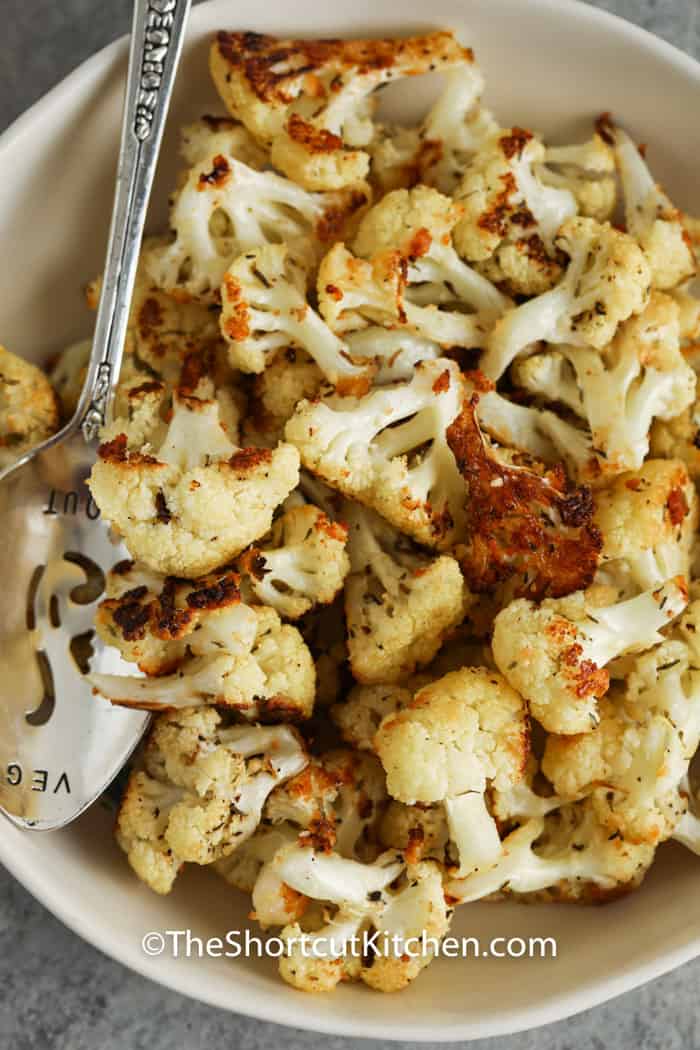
x=271 y=65
x=530 y=529
x=138 y=612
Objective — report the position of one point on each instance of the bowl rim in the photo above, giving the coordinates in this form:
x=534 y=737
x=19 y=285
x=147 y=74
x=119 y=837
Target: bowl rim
x=39 y=884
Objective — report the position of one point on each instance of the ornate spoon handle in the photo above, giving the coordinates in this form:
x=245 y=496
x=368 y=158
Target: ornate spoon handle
x=156 y=43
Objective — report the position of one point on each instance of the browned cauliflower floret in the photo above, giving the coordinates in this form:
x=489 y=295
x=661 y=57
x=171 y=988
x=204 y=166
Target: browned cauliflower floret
x=511 y=217
x=224 y=208
x=183 y=495
x=527 y=531
x=203 y=645
x=388 y=449
x=399 y=601
x=301 y=563
x=420 y=830
x=264 y=310
x=310 y=100
x=405 y=289
x=555 y=654
x=634 y=764
x=679 y=438
x=29 y=408
x=201 y=792
x=459 y=734
x=647 y=519
x=606 y=281
x=377 y=919
x=566 y=855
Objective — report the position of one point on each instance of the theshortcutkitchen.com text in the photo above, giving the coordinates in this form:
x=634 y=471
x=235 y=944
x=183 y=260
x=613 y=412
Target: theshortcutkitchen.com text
x=236 y=944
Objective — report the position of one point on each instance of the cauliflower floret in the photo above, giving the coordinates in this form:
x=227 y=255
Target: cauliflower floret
x=633 y=765
x=647 y=519
x=67 y=375
x=619 y=390
x=310 y=100
x=650 y=217
x=183 y=495
x=458 y=734
x=290 y=377
x=265 y=310
x=202 y=792
x=29 y=408
x=210 y=136
x=358 y=717
x=381 y=912
x=336 y=803
x=399 y=601
x=510 y=216
x=526 y=530
x=567 y=855
x=300 y=564
x=606 y=281
x=261 y=673
x=436 y=152
x=156 y=621
x=406 y=276
x=555 y=654
x=636 y=753
x=389 y=450
x=588 y=171
x=223 y=208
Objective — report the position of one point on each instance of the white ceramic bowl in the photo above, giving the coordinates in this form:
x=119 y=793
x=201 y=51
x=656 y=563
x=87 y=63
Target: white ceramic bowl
x=549 y=65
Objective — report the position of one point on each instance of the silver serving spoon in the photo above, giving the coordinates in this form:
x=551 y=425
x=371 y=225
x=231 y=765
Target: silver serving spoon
x=60 y=746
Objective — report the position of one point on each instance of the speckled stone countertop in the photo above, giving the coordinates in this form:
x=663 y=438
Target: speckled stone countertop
x=58 y=993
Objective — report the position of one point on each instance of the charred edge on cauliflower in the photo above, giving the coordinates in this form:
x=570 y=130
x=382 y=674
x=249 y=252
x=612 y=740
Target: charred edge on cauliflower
x=519 y=523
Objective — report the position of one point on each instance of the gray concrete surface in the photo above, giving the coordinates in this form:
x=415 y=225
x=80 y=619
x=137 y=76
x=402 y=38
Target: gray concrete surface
x=58 y=993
